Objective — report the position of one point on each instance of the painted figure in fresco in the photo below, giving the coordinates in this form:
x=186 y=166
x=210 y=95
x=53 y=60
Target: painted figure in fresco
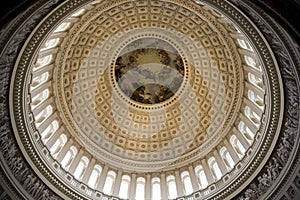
x=149 y=75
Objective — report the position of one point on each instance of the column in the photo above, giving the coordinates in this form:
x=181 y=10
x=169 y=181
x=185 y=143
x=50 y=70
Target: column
x=256 y=90
x=58 y=35
x=163 y=186
x=54 y=137
x=179 y=184
x=252 y=70
x=76 y=161
x=233 y=154
x=247 y=52
x=71 y=19
x=41 y=88
x=236 y=35
x=248 y=123
x=209 y=176
x=102 y=178
x=46 y=68
x=48 y=52
x=194 y=179
x=132 y=187
x=64 y=150
x=88 y=171
x=241 y=138
x=117 y=185
x=43 y=105
x=46 y=123
x=148 y=188
x=253 y=106
x=220 y=162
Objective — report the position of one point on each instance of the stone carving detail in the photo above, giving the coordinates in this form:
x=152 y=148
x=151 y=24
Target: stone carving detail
x=8 y=145
x=36 y=188
x=20 y=169
x=264 y=181
x=287 y=137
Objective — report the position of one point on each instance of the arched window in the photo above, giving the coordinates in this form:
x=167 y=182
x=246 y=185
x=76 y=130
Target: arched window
x=109 y=182
x=244 y=44
x=92 y=183
x=255 y=118
x=214 y=167
x=39 y=80
x=84 y=161
x=49 y=131
x=227 y=158
x=69 y=157
x=251 y=62
x=201 y=176
x=140 y=189
x=255 y=99
x=124 y=188
x=255 y=80
x=187 y=183
x=156 y=193
x=172 y=189
x=43 y=115
x=41 y=62
x=50 y=44
x=62 y=27
x=238 y=147
x=58 y=145
x=36 y=100
x=246 y=132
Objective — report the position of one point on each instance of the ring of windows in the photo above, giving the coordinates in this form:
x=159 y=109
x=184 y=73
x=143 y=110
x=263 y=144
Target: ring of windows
x=172 y=182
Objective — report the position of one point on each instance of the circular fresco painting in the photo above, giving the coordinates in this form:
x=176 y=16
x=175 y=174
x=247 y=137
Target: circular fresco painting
x=149 y=70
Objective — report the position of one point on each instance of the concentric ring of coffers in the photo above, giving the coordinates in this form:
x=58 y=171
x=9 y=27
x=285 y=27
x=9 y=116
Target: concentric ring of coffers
x=204 y=129
x=132 y=131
